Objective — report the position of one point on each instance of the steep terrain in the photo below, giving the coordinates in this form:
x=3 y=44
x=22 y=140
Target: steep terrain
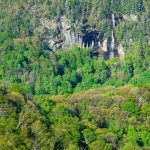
x=74 y=75
x=59 y=47
x=107 y=27
x=102 y=119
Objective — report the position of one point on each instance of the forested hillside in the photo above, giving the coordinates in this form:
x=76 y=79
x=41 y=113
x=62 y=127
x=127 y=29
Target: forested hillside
x=32 y=34
x=74 y=74
x=102 y=119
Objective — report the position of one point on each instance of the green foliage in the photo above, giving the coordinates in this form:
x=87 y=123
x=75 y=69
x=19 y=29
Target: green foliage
x=44 y=103
x=146 y=109
x=105 y=118
x=25 y=62
x=71 y=70
x=88 y=135
x=131 y=107
x=103 y=121
x=141 y=79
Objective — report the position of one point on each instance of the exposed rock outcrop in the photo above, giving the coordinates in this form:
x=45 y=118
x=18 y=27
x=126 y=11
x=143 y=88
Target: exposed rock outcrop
x=50 y=24
x=130 y=17
x=65 y=34
x=104 y=45
x=121 y=52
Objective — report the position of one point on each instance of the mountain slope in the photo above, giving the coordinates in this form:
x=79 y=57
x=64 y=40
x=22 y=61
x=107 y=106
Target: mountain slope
x=74 y=75
x=107 y=118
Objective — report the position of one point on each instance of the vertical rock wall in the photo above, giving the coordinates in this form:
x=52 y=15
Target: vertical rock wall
x=68 y=34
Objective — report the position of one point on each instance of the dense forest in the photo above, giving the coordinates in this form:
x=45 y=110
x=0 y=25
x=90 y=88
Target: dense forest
x=74 y=75
x=101 y=119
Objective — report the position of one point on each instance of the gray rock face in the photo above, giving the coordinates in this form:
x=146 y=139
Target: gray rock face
x=66 y=34
x=121 y=52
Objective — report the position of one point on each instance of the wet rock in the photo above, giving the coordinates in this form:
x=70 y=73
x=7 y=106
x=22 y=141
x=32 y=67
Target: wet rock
x=111 y=19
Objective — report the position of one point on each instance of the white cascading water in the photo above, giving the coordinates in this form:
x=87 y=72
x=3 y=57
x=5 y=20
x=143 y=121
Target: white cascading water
x=112 y=46
x=92 y=43
x=113 y=20
x=99 y=44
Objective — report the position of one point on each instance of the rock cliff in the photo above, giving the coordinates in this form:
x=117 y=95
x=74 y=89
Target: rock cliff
x=65 y=34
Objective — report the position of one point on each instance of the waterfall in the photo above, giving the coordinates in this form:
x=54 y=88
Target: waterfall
x=113 y=20
x=92 y=43
x=112 y=45
x=99 y=44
